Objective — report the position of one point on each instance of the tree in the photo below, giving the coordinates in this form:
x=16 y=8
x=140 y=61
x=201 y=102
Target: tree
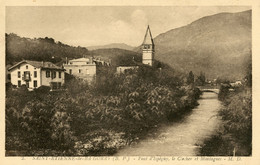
x=190 y=78
x=201 y=79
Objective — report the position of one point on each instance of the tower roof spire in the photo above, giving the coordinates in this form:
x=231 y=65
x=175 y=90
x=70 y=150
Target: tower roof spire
x=148 y=39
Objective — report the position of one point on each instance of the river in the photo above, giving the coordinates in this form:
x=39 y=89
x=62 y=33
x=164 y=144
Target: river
x=184 y=137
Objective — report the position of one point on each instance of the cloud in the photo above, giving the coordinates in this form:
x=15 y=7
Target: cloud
x=123 y=31
x=139 y=19
x=120 y=30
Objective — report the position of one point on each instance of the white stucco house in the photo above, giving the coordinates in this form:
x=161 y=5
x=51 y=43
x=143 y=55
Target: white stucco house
x=83 y=68
x=34 y=74
x=123 y=69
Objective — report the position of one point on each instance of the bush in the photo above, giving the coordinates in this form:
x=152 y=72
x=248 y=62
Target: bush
x=42 y=90
x=8 y=86
x=223 y=92
x=217 y=145
x=76 y=86
x=238 y=118
x=36 y=124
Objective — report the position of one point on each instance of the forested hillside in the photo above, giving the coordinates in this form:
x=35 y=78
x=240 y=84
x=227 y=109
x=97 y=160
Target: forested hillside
x=39 y=49
x=117 y=56
x=47 y=49
x=219 y=45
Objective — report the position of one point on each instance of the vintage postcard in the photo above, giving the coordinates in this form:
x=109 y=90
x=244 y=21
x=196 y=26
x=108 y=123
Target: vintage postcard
x=130 y=82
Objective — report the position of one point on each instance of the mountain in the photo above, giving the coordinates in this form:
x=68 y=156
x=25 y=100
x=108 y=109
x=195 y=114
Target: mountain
x=218 y=45
x=113 y=45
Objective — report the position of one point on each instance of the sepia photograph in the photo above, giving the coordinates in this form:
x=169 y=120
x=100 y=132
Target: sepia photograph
x=128 y=81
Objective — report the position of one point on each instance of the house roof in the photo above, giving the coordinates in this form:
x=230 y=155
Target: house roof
x=148 y=39
x=38 y=64
x=80 y=60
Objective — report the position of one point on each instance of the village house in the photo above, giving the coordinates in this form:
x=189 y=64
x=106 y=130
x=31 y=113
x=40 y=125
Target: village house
x=101 y=62
x=236 y=84
x=123 y=69
x=147 y=53
x=85 y=68
x=34 y=74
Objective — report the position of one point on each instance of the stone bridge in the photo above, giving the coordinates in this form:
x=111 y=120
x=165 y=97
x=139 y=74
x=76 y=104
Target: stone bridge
x=214 y=90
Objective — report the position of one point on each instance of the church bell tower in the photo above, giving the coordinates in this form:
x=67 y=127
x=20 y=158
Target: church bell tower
x=148 y=48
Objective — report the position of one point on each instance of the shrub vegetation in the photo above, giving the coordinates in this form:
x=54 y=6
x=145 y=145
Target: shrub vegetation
x=95 y=119
x=235 y=134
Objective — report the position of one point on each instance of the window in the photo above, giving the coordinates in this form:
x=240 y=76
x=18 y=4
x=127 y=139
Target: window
x=70 y=71
x=27 y=76
x=59 y=74
x=47 y=74
x=147 y=46
x=79 y=70
x=19 y=83
x=71 y=63
x=19 y=67
x=34 y=83
x=26 y=66
x=35 y=74
x=19 y=74
x=54 y=74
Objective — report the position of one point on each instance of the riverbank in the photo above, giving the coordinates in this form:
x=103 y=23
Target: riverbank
x=234 y=136
x=183 y=136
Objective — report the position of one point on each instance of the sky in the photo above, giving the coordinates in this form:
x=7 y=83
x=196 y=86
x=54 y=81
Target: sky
x=99 y=25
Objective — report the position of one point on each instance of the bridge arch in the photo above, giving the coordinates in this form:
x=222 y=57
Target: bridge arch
x=210 y=90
